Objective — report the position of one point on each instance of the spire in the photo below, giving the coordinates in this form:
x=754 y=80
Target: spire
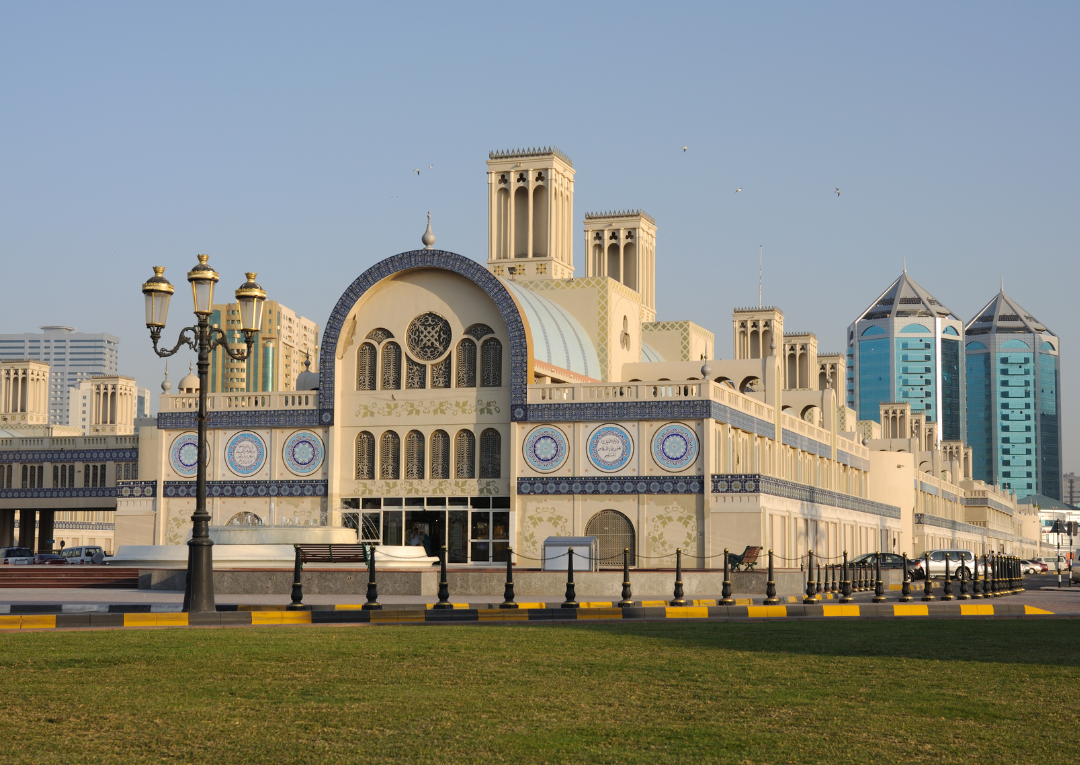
x=905 y=263
x=166 y=386
x=429 y=236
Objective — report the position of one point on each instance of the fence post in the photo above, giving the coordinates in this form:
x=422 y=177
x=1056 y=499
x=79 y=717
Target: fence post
x=879 y=586
x=948 y=581
x=905 y=588
x=678 y=600
x=770 y=586
x=810 y=589
x=372 y=588
x=976 y=586
x=725 y=592
x=817 y=588
x=508 y=590
x=627 y=596
x=963 y=581
x=928 y=587
x=845 y=587
x=571 y=593
x=835 y=587
x=297 y=588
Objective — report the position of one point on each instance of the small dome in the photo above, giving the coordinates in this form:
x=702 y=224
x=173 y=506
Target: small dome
x=190 y=383
x=307 y=380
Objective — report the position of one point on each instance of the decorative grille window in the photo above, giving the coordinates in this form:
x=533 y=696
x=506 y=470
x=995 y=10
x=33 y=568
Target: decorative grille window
x=440 y=374
x=391 y=366
x=379 y=334
x=440 y=454
x=365 y=456
x=415 y=374
x=390 y=456
x=428 y=336
x=414 y=455
x=491 y=352
x=490 y=454
x=479 y=331
x=465 y=455
x=466 y=364
x=365 y=367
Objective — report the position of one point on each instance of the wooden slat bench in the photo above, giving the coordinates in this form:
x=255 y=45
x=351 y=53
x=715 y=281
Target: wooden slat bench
x=333 y=553
x=746 y=561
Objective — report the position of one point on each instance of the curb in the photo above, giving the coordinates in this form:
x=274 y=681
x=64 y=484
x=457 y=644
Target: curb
x=460 y=615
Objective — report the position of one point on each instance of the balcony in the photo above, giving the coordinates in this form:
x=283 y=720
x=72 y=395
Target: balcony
x=243 y=401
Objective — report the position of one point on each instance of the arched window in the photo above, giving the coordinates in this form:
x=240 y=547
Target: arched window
x=391 y=366
x=414 y=455
x=614 y=533
x=465 y=455
x=365 y=367
x=491 y=364
x=440 y=454
x=466 y=364
x=365 y=456
x=490 y=454
x=390 y=456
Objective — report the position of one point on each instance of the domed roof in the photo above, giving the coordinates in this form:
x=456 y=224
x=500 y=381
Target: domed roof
x=307 y=380
x=190 y=382
x=557 y=337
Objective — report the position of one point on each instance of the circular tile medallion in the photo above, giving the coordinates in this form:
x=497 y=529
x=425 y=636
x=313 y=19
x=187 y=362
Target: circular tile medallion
x=245 y=453
x=184 y=454
x=675 y=447
x=545 y=448
x=303 y=452
x=610 y=448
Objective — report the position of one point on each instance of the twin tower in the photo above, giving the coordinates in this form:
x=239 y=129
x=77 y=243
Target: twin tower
x=531 y=223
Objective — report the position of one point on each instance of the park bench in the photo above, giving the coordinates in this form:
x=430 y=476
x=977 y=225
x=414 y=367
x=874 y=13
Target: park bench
x=746 y=561
x=332 y=553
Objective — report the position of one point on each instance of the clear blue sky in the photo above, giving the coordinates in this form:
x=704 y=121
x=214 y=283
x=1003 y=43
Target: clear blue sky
x=273 y=136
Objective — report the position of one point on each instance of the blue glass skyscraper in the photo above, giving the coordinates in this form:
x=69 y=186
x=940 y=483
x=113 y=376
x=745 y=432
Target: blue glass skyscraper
x=906 y=347
x=1014 y=399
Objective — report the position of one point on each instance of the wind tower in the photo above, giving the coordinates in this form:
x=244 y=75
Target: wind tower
x=622 y=245
x=530 y=213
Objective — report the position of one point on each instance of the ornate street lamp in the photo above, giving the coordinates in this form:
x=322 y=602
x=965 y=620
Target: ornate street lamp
x=203 y=339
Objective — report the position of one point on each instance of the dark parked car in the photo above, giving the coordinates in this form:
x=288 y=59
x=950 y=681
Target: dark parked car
x=888 y=560
x=49 y=559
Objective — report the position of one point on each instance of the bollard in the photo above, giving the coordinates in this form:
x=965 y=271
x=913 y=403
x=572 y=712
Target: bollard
x=879 y=586
x=626 y=594
x=297 y=589
x=963 y=581
x=810 y=588
x=865 y=577
x=905 y=588
x=186 y=607
x=770 y=586
x=725 y=592
x=508 y=590
x=1020 y=577
x=678 y=599
x=948 y=582
x=976 y=593
x=990 y=585
x=571 y=593
x=1013 y=586
x=444 y=587
x=372 y=589
x=845 y=588
x=835 y=588
x=817 y=589
x=928 y=587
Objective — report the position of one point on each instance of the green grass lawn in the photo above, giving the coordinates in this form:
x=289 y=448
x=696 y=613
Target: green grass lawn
x=857 y=691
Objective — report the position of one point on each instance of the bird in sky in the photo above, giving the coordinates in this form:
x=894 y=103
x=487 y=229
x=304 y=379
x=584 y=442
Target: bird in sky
x=417 y=171
x=684 y=148
x=394 y=197
x=738 y=190
x=838 y=192
x=430 y=166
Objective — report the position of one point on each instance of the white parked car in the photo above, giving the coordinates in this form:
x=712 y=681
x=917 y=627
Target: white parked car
x=937 y=564
x=20 y=556
x=1053 y=565
x=87 y=554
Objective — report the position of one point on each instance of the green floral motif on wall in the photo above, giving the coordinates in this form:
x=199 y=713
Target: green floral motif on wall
x=539 y=523
x=673 y=527
x=459 y=408
x=432 y=488
x=177 y=527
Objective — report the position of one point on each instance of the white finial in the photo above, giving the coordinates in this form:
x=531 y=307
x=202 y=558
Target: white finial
x=905 y=264
x=166 y=386
x=429 y=236
x=1003 y=282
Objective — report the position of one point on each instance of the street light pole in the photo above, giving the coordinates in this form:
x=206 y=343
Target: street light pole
x=203 y=339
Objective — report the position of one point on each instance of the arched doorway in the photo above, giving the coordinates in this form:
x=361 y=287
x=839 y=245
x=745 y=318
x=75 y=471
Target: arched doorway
x=614 y=533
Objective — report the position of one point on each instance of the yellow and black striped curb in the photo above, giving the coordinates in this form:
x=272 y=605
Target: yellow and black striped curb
x=459 y=615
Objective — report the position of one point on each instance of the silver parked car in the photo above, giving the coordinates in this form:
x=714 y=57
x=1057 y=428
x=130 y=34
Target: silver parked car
x=937 y=564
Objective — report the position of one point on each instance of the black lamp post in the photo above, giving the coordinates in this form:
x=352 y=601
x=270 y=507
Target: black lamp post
x=203 y=339
x=1059 y=529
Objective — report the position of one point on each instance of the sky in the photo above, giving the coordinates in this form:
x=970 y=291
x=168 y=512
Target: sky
x=282 y=138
